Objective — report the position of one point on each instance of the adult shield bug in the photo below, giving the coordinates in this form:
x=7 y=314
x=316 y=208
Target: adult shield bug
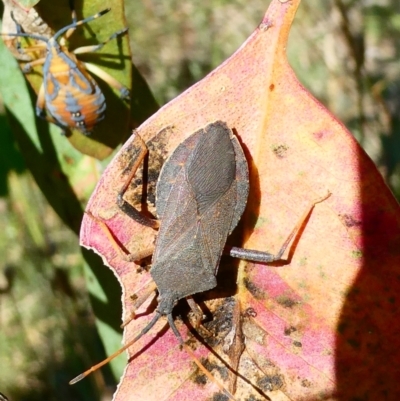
x=201 y=195
x=71 y=96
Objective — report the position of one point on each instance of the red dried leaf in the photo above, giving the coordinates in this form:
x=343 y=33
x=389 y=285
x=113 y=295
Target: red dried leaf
x=323 y=325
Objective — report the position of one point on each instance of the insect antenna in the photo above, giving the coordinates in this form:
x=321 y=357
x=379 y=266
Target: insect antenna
x=78 y=23
x=120 y=351
x=195 y=359
x=26 y=35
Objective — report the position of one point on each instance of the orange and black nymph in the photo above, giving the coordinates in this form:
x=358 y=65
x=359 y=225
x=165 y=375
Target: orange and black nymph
x=70 y=95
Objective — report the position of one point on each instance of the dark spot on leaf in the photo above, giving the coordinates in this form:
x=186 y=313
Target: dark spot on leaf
x=265 y=25
x=127 y=158
x=297 y=344
x=221 y=323
x=286 y=301
x=270 y=382
x=143 y=186
x=252 y=398
x=220 y=397
x=322 y=134
x=289 y=330
x=355 y=343
x=249 y=312
x=280 y=150
x=306 y=383
x=350 y=221
x=357 y=254
x=341 y=328
x=201 y=379
x=254 y=290
x=271 y=87
x=223 y=371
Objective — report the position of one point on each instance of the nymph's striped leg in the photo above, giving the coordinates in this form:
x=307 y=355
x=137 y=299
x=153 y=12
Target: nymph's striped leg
x=28 y=66
x=123 y=90
x=74 y=21
x=94 y=48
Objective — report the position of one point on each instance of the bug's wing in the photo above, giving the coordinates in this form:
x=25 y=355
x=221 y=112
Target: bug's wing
x=189 y=245
x=198 y=191
x=242 y=183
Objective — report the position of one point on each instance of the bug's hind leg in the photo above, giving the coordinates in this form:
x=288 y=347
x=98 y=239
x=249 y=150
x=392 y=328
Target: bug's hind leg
x=265 y=257
x=126 y=207
x=110 y=80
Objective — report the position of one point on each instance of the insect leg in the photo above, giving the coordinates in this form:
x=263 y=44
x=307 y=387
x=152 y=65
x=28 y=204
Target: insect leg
x=28 y=66
x=124 y=91
x=120 y=351
x=75 y=23
x=40 y=103
x=198 y=313
x=125 y=255
x=74 y=20
x=149 y=289
x=127 y=208
x=265 y=257
x=195 y=360
x=94 y=48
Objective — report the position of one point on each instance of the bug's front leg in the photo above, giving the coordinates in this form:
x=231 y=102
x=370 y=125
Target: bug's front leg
x=126 y=207
x=94 y=48
x=73 y=18
x=110 y=80
x=123 y=253
x=265 y=257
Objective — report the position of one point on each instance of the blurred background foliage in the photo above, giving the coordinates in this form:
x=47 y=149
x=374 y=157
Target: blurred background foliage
x=346 y=52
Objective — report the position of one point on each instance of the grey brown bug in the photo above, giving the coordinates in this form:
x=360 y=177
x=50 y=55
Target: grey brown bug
x=201 y=195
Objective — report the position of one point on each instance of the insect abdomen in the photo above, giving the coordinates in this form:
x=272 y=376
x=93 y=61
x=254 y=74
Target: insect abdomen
x=72 y=96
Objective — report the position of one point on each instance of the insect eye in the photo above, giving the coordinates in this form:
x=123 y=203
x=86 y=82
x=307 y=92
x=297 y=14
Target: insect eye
x=77 y=114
